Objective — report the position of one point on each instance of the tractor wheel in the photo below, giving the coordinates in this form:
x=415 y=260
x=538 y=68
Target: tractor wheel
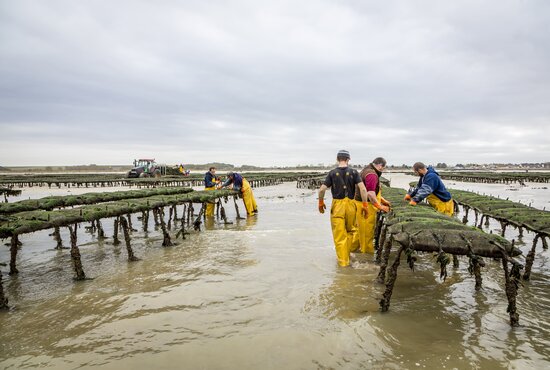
x=143 y=175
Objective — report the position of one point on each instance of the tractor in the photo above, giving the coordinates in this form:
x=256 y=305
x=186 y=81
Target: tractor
x=146 y=168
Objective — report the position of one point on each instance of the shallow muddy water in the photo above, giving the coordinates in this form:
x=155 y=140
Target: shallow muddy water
x=263 y=293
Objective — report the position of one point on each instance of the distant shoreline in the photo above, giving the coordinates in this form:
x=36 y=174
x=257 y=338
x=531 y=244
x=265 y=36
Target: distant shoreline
x=122 y=170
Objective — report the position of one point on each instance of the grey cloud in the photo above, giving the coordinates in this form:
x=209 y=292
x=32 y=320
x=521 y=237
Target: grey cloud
x=274 y=83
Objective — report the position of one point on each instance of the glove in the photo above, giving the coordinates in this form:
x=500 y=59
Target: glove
x=412 y=203
x=365 y=210
x=385 y=202
x=322 y=206
x=381 y=207
x=407 y=197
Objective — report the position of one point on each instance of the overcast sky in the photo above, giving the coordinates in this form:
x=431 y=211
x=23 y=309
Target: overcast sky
x=274 y=83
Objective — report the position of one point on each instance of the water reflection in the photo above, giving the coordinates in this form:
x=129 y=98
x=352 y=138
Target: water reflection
x=247 y=223
x=251 y=221
x=352 y=292
x=210 y=223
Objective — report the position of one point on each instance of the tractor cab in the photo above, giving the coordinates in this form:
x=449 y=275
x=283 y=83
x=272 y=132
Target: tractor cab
x=145 y=168
x=145 y=163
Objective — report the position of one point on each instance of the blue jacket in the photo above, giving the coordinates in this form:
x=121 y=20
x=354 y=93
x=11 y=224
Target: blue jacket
x=428 y=184
x=237 y=182
x=209 y=180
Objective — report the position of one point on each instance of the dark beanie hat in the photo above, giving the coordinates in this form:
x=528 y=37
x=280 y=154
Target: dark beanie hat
x=343 y=153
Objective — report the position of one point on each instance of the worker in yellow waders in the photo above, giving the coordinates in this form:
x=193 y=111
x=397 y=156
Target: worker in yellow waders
x=370 y=175
x=342 y=181
x=210 y=183
x=240 y=184
x=431 y=188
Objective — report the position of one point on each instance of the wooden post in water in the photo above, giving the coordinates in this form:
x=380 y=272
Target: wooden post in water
x=480 y=226
x=392 y=276
x=377 y=231
x=125 y=227
x=145 y=220
x=190 y=212
x=184 y=212
x=57 y=238
x=115 y=232
x=75 y=255
x=100 y=232
x=487 y=221
x=530 y=259
x=222 y=212
x=465 y=218
x=385 y=259
x=166 y=242
x=197 y=223
x=3 y=299
x=476 y=263
x=92 y=227
x=13 y=251
x=237 y=208
x=182 y=229
x=175 y=207
x=170 y=212
x=380 y=241
x=512 y=283
x=503 y=225
x=130 y=227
